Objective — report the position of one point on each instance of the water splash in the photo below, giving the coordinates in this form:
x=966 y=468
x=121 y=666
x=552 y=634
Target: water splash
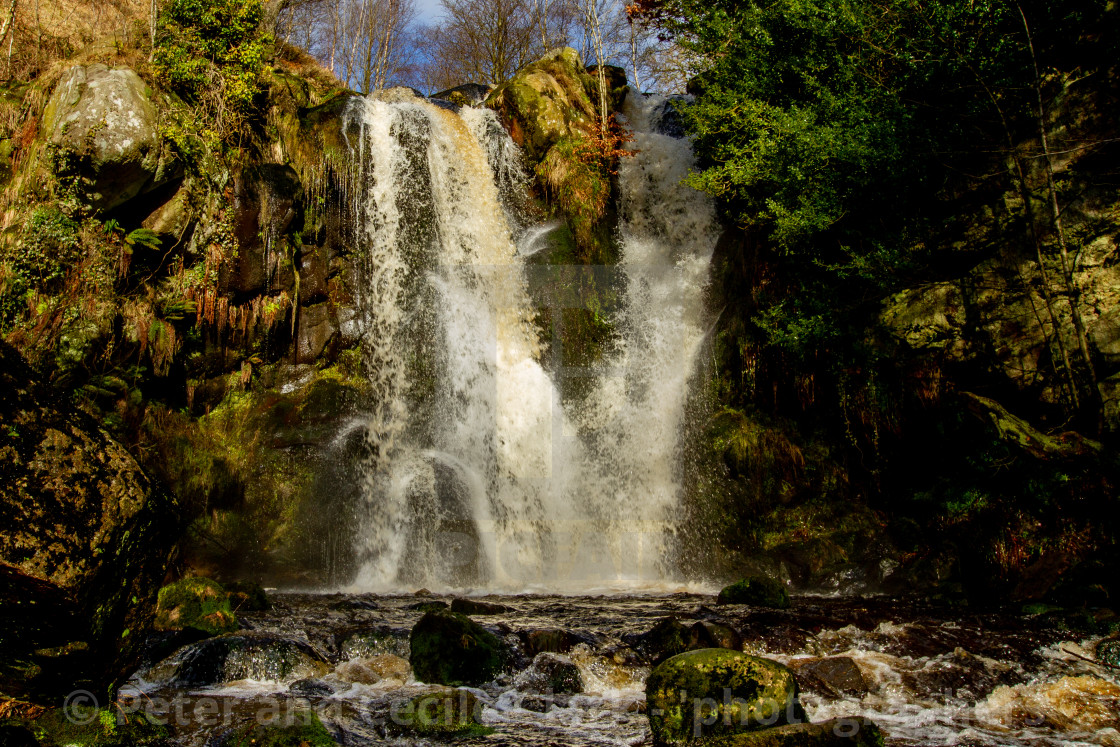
x=477 y=472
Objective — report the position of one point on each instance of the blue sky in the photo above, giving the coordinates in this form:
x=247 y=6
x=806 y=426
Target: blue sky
x=429 y=11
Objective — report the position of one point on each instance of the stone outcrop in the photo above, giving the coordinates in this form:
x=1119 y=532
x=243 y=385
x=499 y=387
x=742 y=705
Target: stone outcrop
x=86 y=541
x=104 y=125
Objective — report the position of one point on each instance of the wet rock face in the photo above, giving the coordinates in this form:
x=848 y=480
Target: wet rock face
x=447 y=648
x=106 y=128
x=85 y=543
x=716 y=692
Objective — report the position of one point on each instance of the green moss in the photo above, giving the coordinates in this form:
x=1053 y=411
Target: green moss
x=757 y=591
x=714 y=692
x=91 y=727
x=443 y=713
x=195 y=604
x=311 y=733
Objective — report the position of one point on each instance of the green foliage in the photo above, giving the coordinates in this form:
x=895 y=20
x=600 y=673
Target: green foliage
x=833 y=131
x=47 y=249
x=213 y=52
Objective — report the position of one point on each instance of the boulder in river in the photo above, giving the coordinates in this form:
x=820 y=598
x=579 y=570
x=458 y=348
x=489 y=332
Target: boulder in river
x=370 y=671
x=717 y=692
x=757 y=591
x=441 y=712
x=85 y=543
x=551 y=673
x=477 y=607
x=196 y=604
x=257 y=656
x=669 y=637
x=447 y=648
x=836 y=675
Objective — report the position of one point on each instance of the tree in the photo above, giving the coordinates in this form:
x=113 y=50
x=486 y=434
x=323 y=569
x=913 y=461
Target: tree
x=369 y=44
x=486 y=41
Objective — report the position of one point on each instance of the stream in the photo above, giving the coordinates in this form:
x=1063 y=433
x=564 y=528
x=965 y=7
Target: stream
x=926 y=675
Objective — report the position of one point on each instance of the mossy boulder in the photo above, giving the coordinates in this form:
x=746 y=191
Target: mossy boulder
x=104 y=128
x=86 y=541
x=839 y=732
x=546 y=102
x=444 y=712
x=258 y=657
x=757 y=591
x=714 y=692
x=196 y=604
x=551 y=673
x=248 y=596
x=447 y=648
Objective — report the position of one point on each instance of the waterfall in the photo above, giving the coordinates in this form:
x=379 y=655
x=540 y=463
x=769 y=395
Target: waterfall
x=477 y=472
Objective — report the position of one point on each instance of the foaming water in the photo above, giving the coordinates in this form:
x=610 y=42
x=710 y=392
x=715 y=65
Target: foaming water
x=928 y=676
x=477 y=473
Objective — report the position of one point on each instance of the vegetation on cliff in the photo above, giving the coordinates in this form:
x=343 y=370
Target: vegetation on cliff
x=923 y=207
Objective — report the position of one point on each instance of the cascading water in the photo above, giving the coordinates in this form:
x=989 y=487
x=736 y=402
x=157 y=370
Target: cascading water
x=477 y=472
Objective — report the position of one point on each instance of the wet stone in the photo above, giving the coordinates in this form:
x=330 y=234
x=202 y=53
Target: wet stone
x=259 y=657
x=551 y=673
x=838 y=675
x=477 y=607
x=311 y=687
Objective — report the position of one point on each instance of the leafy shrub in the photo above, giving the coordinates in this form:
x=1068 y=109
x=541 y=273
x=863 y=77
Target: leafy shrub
x=212 y=53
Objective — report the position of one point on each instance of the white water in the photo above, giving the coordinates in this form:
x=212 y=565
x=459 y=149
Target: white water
x=476 y=475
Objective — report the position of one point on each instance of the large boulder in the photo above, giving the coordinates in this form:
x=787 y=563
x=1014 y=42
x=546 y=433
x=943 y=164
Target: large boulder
x=444 y=712
x=86 y=540
x=104 y=127
x=757 y=591
x=715 y=692
x=447 y=648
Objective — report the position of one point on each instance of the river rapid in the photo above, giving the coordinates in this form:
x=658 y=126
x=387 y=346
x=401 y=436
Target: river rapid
x=926 y=675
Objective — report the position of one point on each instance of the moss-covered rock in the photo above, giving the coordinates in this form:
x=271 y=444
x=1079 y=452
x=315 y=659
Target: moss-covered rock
x=445 y=712
x=840 y=732
x=86 y=541
x=447 y=648
x=197 y=604
x=82 y=726
x=714 y=692
x=757 y=591
x=248 y=596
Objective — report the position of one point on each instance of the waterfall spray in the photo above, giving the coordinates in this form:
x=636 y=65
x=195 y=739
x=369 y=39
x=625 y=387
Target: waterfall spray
x=477 y=473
